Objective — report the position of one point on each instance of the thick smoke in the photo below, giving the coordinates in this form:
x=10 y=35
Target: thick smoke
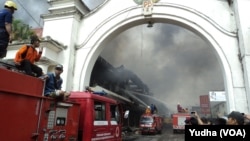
x=176 y=64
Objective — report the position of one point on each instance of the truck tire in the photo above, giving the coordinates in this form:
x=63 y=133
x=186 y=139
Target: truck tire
x=159 y=132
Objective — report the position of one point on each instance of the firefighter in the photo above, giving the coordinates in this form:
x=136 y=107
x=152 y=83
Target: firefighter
x=27 y=55
x=148 y=110
x=53 y=84
x=153 y=109
x=6 y=17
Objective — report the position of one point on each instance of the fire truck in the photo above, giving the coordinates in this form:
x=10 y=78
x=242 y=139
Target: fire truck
x=178 y=119
x=150 y=123
x=27 y=115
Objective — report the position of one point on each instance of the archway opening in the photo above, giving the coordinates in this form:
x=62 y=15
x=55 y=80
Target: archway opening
x=176 y=64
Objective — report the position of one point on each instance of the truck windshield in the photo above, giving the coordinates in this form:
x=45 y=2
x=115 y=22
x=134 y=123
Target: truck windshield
x=146 y=119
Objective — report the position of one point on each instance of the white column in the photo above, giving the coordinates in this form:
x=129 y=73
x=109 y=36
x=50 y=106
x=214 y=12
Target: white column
x=61 y=24
x=241 y=8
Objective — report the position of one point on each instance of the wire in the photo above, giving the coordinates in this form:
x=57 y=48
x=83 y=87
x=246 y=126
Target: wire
x=28 y=13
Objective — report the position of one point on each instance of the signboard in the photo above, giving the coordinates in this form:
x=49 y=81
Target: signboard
x=205 y=104
x=219 y=96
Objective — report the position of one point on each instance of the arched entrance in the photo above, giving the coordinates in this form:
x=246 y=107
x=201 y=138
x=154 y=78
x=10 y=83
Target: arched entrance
x=97 y=29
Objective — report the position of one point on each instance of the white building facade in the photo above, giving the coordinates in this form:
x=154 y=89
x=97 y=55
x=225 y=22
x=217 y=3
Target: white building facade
x=223 y=24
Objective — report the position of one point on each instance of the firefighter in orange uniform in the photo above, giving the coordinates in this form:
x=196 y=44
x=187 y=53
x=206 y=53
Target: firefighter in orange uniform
x=27 y=55
x=148 y=110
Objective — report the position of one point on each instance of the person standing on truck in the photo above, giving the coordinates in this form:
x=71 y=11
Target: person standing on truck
x=6 y=17
x=27 y=55
x=53 y=84
x=153 y=109
x=148 y=110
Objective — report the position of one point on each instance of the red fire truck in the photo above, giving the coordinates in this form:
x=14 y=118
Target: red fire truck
x=26 y=115
x=178 y=119
x=150 y=123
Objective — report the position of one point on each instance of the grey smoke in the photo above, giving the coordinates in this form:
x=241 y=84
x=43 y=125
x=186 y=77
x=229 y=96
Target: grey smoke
x=176 y=64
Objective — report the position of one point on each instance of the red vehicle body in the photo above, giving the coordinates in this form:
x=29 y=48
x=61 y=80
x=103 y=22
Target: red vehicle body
x=151 y=123
x=26 y=115
x=99 y=117
x=178 y=121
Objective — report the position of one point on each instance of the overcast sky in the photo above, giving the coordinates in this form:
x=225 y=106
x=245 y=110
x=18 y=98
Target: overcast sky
x=29 y=11
x=174 y=63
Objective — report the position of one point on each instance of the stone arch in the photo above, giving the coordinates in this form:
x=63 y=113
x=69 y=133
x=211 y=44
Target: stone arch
x=205 y=27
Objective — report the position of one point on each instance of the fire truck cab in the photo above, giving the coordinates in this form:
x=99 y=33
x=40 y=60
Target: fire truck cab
x=100 y=117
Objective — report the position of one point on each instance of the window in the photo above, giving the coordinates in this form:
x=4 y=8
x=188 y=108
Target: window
x=146 y=119
x=115 y=114
x=100 y=111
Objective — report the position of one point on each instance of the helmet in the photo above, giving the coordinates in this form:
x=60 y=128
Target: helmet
x=34 y=38
x=10 y=4
x=59 y=67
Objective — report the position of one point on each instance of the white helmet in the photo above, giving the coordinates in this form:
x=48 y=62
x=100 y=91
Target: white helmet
x=10 y=4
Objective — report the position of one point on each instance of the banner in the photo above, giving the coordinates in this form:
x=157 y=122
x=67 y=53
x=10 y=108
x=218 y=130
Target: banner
x=219 y=96
x=205 y=104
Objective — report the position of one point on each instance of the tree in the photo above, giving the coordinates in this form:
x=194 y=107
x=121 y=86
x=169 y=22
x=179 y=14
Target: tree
x=21 y=31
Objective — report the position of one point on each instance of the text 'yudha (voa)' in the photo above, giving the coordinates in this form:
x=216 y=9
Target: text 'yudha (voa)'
x=217 y=132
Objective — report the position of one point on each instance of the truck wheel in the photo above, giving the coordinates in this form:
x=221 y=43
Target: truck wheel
x=159 y=132
x=174 y=131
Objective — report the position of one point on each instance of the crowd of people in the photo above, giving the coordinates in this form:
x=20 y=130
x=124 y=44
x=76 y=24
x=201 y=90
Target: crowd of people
x=233 y=118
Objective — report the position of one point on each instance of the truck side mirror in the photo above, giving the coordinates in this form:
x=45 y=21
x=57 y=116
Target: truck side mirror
x=126 y=114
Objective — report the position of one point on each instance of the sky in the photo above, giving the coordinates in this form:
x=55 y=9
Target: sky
x=29 y=11
x=176 y=64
